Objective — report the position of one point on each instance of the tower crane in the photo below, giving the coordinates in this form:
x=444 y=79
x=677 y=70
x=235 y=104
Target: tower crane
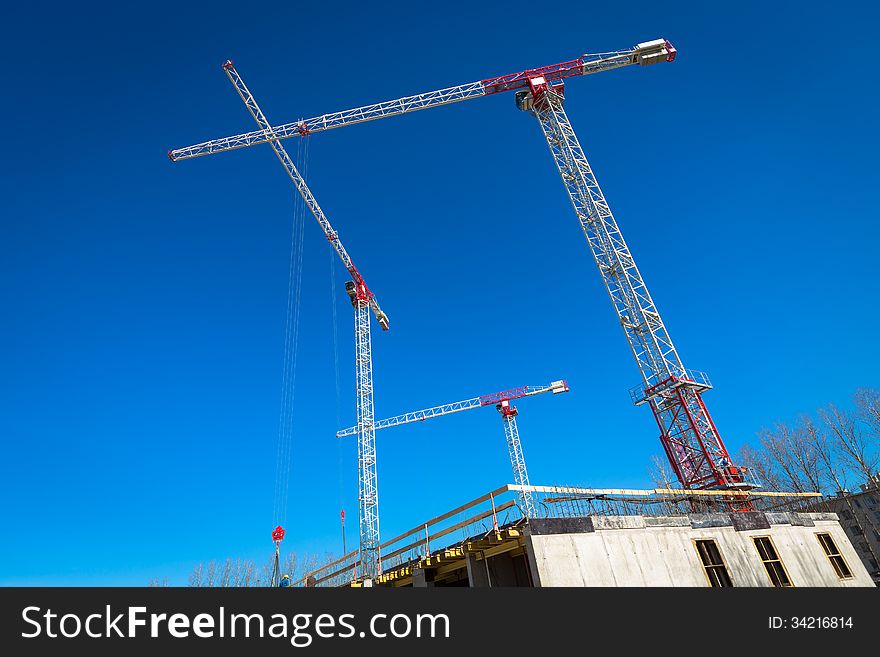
x=501 y=400
x=688 y=434
x=364 y=301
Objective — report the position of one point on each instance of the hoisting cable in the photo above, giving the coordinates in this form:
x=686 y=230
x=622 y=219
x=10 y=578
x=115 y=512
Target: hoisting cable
x=300 y=204
x=283 y=450
x=335 y=329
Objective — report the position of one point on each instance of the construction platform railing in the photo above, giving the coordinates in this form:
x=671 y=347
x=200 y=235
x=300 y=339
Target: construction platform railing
x=641 y=393
x=490 y=510
x=498 y=508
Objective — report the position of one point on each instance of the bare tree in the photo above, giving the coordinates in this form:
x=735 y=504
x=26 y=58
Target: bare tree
x=230 y=574
x=225 y=574
x=852 y=445
x=267 y=568
x=834 y=476
x=246 y=573
x=661 y=473
x=804 y=457
x=867 y=402
x=663 y=477
x=835 y=473
x=793 y=456
x=307 y=564
x=195 y=577
x=289 y=566
x=762 y=468
x=868 y=408
x=821 y=454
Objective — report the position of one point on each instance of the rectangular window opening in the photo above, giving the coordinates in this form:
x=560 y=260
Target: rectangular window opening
x=772 y=562
x=713 y=564
x=834 y=556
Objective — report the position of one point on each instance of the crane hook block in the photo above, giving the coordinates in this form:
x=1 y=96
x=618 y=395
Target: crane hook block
x=278 y=533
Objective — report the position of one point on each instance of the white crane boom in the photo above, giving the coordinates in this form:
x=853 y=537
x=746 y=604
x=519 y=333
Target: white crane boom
x=447 y=409
x=649 y=52
x=501 y=401
x=363 y=300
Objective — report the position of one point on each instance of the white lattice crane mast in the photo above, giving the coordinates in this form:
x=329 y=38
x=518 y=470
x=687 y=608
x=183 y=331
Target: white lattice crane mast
x=501 y=401
x=363 y=301
x=687 y=432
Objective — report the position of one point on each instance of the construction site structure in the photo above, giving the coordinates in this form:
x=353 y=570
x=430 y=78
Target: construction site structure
x=650 y=52
x=363 y=301
x=688 y=434
x=501 y=401
x=607 y=537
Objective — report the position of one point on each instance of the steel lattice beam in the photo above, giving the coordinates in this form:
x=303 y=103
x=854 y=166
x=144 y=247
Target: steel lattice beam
x=363 y=301
x=456 y=407
x=301 y=186
x=517 y=460
x=644 y=53
x=689 y=436
x=368 y=494
x=501 y=401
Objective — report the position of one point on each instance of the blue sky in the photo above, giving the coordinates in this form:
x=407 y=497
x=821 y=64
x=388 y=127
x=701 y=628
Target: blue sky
x=144 y=301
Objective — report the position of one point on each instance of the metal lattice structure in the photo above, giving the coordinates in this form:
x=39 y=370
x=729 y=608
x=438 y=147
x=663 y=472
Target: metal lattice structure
x=487 y=516
x=688 y=435
x=305 y=192
x=645 y=53
x=501 y=401
x=368 y=493
x=363 y=301
x=674 y=394
x=517 y=460
x=465 y=405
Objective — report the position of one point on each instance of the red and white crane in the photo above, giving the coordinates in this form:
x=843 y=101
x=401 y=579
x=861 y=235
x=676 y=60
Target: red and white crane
x=501 y=401
x=688 y=434
x=644 y=53
x=364 y=301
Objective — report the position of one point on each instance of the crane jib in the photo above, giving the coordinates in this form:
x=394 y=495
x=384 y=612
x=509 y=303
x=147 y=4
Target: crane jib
x=648 y=52
x=507 y=395
x=521 y=80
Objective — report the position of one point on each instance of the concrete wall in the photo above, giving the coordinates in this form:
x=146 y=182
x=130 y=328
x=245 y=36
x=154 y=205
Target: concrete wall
x=860 y=518
x=652 y=551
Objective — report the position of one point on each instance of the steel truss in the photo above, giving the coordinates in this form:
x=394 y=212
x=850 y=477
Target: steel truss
x=642 y=54
x=501 y=401
x=689 y=436
x=455 y=407
x=363 y=301
x=517 y=460
x=368 y=494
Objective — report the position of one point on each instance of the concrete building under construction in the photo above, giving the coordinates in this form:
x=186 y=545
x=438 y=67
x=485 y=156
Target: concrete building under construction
x=590 y=537
x=859 y=514
x=716 y=531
